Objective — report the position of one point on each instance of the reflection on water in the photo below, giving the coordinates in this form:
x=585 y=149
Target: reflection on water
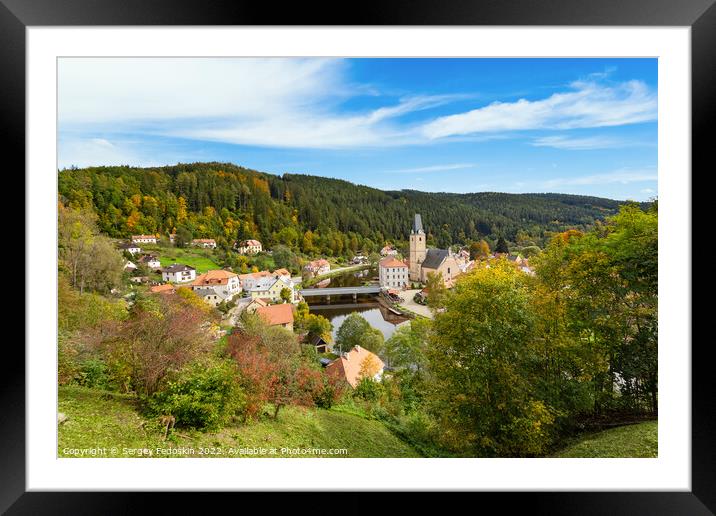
x=350 y=279
x=341 y=306
x=376 y=315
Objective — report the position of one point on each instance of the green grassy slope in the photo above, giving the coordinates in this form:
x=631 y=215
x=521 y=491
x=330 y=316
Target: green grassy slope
x=111 y=422
x=640 y=440
x=200 y=259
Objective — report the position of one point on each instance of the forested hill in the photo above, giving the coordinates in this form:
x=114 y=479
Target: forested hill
x=224 y=201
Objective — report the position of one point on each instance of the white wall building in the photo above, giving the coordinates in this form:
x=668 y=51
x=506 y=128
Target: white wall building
x=392 y=273
x=248 y=247
x=130 y=248
x=178 y=273
x=217 y=286
x=144 y=239
x=207 y=243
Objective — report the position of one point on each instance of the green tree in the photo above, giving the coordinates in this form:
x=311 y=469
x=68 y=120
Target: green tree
x=356 y=331
x=286 y=294
x=316 y=326
x=501 y=246
x=435 y=287
x=479 y=361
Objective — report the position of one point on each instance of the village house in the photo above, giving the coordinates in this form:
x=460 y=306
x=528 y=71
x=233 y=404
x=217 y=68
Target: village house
x=349 y=366
x=252 y=279
x=216 y=286
x=282 y=274
x=318 y=267
x=172 y=238
x=388 y=250
x=130 y=247
x=277 y=315
x=150 y=261
x=139 y=279
x=255 y=304
x=392 y=273
x=248 y=247
x=316 y=341
x=178 y=273
x=206 y=243
x=424 y=261
x=272 y=289
x=129 y=266
x=162 y=289
x=359 y=259
x=466 y=266
x=144 y=239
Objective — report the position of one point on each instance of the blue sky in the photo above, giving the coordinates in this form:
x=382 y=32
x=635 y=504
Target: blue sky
x=583 y=126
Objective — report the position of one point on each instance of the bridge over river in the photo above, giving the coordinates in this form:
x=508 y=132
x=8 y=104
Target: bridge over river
x=339 y=291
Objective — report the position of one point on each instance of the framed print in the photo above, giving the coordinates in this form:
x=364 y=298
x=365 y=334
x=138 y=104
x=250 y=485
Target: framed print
x=412 y=250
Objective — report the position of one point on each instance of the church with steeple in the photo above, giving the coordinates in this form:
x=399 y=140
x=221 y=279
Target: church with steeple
x=423 y=261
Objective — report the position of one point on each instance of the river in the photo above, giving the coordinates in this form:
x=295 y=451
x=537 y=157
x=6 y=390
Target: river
x=367 y=306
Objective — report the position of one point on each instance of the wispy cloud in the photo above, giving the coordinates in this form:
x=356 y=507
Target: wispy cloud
x=434 y=168
x=586 y=143
x=316 y=128
x=588 y=104
x=621 y=176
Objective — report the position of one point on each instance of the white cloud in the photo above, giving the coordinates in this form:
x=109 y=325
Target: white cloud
x=299 y=103
x=621 y=176
x=266 y=102
x=586 y=143
x=106 y=90
x=589 y=104
x=88 y=152
x=435 y=168
x=318 y=129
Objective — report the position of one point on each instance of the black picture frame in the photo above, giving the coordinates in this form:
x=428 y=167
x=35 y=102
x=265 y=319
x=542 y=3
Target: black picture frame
x=700 y=15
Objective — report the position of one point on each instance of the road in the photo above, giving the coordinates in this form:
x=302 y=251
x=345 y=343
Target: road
x=412 y=305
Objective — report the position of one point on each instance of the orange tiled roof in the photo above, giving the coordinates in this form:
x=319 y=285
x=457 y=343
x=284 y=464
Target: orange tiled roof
x=257 y=275
x=166 y=288
x=276 y=314
x=392 y=262
x=349 y=367
x=217 y=277
x=282 y=272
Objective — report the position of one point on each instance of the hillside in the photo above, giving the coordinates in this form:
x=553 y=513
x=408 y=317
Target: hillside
x=99 y=419
x=224 y=201
x=638 y=440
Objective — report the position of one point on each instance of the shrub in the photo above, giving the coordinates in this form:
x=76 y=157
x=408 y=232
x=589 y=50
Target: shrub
x=330 y=393
x=94 y=373
x=203 y=396
x=368 y=390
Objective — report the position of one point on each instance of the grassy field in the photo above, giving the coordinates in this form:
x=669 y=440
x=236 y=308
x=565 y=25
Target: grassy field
x=200 y=259
x=109 y=421
x=639 y=440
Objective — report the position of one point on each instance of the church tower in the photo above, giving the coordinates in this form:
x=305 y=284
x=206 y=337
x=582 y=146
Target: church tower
x=417 y=248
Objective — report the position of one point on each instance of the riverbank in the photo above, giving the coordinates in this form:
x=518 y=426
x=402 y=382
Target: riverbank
x=335 y=272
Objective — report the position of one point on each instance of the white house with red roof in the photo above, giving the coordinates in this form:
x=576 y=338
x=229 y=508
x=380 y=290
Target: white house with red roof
x=248 y=247
x=318 y=267
x=388 y=250
x=216 y=286
x=207 y=243
x=144 y=239
x=392 y=273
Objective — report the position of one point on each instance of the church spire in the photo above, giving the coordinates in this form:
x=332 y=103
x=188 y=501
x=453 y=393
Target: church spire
x=417 y=224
